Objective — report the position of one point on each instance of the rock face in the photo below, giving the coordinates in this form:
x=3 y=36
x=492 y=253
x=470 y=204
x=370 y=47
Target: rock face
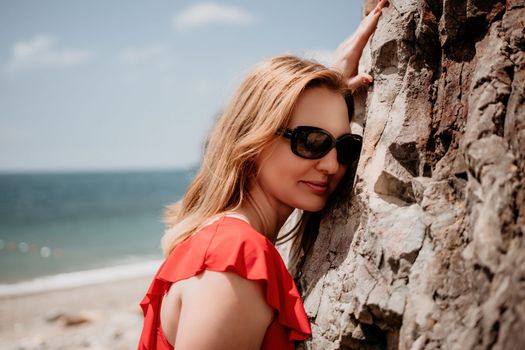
x=432 y=254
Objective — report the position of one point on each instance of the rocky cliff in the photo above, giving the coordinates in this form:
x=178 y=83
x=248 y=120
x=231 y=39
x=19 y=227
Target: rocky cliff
x=432 y=253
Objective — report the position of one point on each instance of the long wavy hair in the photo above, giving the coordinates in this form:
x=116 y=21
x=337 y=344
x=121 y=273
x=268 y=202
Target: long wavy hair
x=263 y=103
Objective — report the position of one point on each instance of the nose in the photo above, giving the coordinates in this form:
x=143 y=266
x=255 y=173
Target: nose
x=329 y=164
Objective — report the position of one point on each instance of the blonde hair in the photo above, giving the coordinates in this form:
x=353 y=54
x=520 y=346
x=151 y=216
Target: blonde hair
x=262 y=104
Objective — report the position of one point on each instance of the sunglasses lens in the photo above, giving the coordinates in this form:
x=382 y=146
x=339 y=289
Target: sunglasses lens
x=312 y=144
x=348 y=149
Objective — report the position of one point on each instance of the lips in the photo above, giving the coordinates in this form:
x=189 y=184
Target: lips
x=319 y=187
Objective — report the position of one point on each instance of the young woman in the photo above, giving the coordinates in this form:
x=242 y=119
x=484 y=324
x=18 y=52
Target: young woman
x=283 y=142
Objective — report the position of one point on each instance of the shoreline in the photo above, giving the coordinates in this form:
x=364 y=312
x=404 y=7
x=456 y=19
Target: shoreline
x=103 y=315
x=80 y=278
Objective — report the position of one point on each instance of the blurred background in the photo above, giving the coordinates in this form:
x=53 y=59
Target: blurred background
x=104 y=107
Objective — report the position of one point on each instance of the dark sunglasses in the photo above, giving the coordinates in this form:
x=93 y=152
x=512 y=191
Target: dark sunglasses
x=314 y=143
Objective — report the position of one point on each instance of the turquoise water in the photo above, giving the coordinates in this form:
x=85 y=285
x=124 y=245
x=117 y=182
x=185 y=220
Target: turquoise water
x=53 y=224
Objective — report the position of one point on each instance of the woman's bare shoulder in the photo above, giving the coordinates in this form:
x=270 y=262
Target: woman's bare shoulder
x=221 y=310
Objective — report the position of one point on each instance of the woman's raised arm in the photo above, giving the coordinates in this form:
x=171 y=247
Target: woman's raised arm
x=349 y=52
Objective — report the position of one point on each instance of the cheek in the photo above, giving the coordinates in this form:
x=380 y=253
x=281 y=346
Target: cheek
x=284 y=167
x=338 y=177
x=270 y=163
x=281 y=170
x=280 y=157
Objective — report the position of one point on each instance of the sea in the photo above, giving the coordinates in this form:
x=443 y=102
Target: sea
x=60 y=230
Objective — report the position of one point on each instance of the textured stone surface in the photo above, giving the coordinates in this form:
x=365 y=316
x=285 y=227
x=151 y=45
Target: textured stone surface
x=432 y=254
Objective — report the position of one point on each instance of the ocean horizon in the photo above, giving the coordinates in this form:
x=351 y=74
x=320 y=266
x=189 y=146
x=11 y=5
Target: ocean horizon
x=66 y=229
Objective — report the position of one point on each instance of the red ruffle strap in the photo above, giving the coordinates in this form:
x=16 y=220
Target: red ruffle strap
x=229 y=245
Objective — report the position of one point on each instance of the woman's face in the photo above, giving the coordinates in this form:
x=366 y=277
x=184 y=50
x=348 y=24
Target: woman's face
x=292 y=181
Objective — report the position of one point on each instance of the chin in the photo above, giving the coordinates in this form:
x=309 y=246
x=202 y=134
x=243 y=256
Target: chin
x=311 y=206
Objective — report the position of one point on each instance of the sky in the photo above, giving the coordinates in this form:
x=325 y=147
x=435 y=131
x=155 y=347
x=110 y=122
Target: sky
x=136 y=85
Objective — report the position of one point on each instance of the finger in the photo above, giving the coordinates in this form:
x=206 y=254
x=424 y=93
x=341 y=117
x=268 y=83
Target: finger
x=380 y=5
x=359 y=80
x=369 y=23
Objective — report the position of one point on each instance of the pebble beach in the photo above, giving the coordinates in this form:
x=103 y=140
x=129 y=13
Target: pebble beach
x=98 y=316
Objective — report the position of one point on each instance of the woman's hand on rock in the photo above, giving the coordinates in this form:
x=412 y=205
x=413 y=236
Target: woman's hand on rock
x=349 y=52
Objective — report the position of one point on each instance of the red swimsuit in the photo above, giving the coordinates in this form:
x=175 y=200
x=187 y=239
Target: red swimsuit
x=230 y=245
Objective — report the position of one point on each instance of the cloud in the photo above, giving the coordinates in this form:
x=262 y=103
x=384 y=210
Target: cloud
x=322 y=56
x=211 y=13
x=44 y=50
x=139 y=55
